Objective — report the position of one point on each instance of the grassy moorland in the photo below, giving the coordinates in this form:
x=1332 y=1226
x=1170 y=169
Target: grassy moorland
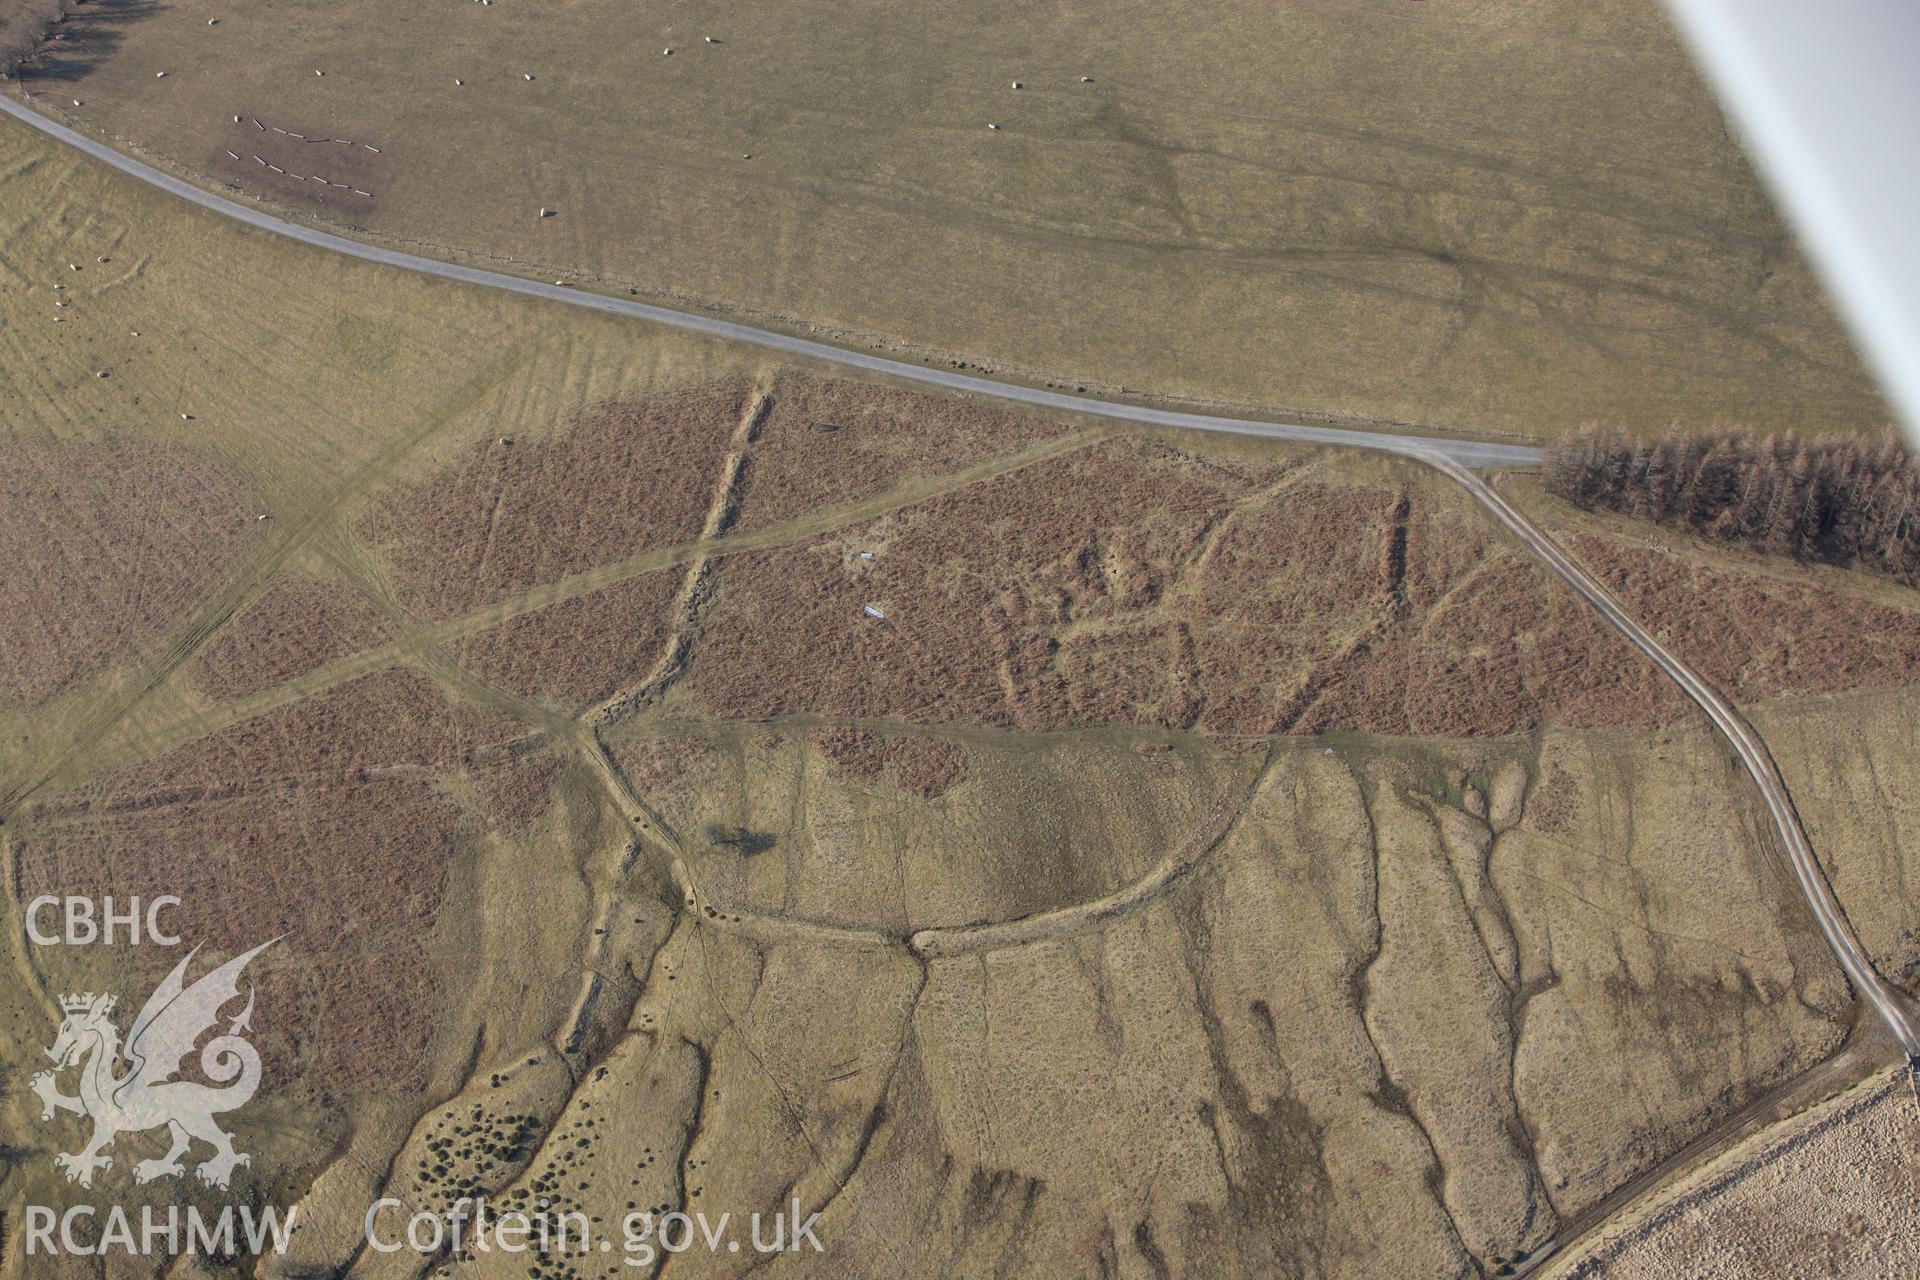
x=1220 y=856
x=1491 y=217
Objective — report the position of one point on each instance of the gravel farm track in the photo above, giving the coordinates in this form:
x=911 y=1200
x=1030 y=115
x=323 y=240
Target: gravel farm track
x=1458 y=459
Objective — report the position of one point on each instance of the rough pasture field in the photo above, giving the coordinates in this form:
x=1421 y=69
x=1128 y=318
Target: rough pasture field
x=1091 y=1065
x=1848 y=759
x=1820 y=660
x=369 y=382
x=1491 y=217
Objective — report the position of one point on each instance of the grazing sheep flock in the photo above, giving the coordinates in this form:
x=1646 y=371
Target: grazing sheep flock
x=530 y=77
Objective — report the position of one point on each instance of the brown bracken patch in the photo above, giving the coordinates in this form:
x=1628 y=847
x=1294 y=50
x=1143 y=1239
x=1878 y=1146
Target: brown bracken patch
x=294 y=628
x=1554 y=802
x=349 y=870
x=975 y=586
x=1754 y=635
x=823 y=443
x=925 y=767
x=379 y=1008
x=108 y=546
x=582 y=649
x=300 y=859
x=390 y=720
x=624 y=478
x=516 y=793
x=1131 y=584
x=325 y=821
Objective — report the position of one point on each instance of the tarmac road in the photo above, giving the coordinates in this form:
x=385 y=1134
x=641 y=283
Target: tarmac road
x=1467 y=453
x=1455 y=458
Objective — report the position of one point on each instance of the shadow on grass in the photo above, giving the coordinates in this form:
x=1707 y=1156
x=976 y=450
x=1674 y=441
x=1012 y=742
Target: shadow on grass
x=742 y=841
x=86 y=37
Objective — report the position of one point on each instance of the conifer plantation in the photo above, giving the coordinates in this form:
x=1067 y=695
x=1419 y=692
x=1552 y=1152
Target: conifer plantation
x=1835 y=500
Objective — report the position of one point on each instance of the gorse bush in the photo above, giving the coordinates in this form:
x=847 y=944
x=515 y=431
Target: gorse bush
x=1840 y=501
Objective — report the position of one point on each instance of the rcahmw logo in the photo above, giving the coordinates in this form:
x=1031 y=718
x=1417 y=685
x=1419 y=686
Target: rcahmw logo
x=161 y=1232
x=147 y=1094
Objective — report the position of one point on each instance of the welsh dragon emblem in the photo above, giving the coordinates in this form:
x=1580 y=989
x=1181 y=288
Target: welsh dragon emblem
x=146 y=1095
